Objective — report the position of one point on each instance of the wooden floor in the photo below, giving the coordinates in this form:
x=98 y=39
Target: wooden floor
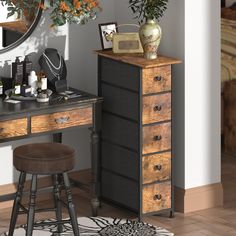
x=212 y=222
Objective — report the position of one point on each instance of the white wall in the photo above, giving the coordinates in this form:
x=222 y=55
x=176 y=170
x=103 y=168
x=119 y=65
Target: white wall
x=196 y=83
x=76 y=43
x=202 y=93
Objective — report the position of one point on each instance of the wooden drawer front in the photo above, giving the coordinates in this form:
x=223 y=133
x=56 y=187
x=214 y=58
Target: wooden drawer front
x=156 y=197
x=61 y=120
x=156 y=167
x=13 y=128
x=156 y=138
x=157 y=79
x=156 y=108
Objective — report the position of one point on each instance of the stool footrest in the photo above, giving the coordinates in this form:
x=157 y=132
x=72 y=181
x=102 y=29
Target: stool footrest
x=25 y=210
x=52 y=223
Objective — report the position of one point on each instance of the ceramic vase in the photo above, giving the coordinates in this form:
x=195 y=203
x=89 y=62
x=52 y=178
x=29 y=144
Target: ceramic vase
x=150 y=35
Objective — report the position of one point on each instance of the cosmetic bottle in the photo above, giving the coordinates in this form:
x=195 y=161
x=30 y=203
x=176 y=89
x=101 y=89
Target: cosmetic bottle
x=17 y=71
x=1 y=87
x=32 y=81
x=26 y=90
x=16 y=86
x=27 y=68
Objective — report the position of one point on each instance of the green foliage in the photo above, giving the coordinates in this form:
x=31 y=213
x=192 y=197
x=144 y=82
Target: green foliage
x=62 y=11
x=148 y=9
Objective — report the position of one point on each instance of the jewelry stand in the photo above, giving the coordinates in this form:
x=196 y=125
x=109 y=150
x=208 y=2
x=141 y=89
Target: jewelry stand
x=54 y=67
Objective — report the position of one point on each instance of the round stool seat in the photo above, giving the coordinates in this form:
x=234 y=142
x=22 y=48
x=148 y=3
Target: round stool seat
x=44 y=158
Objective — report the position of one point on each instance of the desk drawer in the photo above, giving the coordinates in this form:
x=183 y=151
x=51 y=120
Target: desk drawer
x=156 y=197
x=156 y=167
x=13 y=128
x=157 y=138
x=61 y=120
x=156 y=108
x=156 y=79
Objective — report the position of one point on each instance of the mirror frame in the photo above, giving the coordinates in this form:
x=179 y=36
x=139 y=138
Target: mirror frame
x=27 y=34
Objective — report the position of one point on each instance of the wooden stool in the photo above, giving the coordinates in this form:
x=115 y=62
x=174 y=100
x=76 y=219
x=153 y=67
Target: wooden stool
x=43 y=159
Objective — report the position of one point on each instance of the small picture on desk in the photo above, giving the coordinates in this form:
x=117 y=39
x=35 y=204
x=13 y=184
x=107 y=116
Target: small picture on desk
x=107 y=31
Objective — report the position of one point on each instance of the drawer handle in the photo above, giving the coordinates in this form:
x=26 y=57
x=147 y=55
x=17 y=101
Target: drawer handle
x=157 y=197
x=158 y=167
x=1 y=130
x=158 y=78
x=157 y=138
x=62 y=120
x=157 y=108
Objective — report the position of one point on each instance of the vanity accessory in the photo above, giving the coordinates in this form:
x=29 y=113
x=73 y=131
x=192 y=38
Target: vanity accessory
x=26 y=90
x=17 y=89
x=17 y=70
x=27 y=68
x=54 y=68
x=32 y=81
x=1 y=87
x=44 y=83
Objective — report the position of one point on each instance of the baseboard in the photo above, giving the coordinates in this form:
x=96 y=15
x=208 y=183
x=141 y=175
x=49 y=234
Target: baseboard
x=200 y=198
x=83 y=175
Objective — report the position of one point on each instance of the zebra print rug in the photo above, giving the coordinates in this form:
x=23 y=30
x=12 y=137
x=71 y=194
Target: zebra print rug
x=95 y=226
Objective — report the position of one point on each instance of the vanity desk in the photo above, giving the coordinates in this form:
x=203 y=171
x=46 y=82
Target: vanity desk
x=30 y=118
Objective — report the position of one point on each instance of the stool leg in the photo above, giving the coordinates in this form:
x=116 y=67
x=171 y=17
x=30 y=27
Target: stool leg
x=71 y=207
x=57 y=200
x=30 y=218
x=17 y=201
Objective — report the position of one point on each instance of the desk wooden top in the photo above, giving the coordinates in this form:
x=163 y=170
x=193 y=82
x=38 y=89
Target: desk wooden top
x=137 y=59
x=27 y=108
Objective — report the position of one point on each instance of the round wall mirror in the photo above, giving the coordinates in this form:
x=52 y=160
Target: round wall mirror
x=14 y=30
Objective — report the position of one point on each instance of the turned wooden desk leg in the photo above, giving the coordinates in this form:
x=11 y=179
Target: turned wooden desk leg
x=95 y=158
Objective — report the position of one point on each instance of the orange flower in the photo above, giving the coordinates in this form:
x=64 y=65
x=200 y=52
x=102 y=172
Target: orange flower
x=77 y=4
x=64 y=6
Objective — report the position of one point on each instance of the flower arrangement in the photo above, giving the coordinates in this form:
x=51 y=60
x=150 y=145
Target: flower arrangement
x=148 y=9
x=62 y=11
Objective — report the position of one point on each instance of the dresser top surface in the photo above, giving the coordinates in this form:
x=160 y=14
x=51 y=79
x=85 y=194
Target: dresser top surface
x=137 y=59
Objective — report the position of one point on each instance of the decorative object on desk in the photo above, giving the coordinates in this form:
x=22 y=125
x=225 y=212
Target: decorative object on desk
x=1 y=87
x=150 y=33
x=44 y=96
x=26 y=90
x=62 y=12
x=127 y=42
x=54 y=67
x=11 y=95
x=17 y=71
x=27 y=68
x=107 y=31
x=100 y=226
x=32 y=81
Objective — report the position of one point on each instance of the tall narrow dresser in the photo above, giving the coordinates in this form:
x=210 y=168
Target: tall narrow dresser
x=136 y=159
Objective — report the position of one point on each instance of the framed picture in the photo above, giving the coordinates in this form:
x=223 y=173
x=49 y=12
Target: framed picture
x=107 y=31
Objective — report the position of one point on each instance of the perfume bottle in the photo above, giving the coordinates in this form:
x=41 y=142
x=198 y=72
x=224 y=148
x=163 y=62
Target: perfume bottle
x=27 y=68
x=17 y=71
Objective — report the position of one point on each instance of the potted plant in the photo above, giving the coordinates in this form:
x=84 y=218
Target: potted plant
x=62 y=11
x=150 y=32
